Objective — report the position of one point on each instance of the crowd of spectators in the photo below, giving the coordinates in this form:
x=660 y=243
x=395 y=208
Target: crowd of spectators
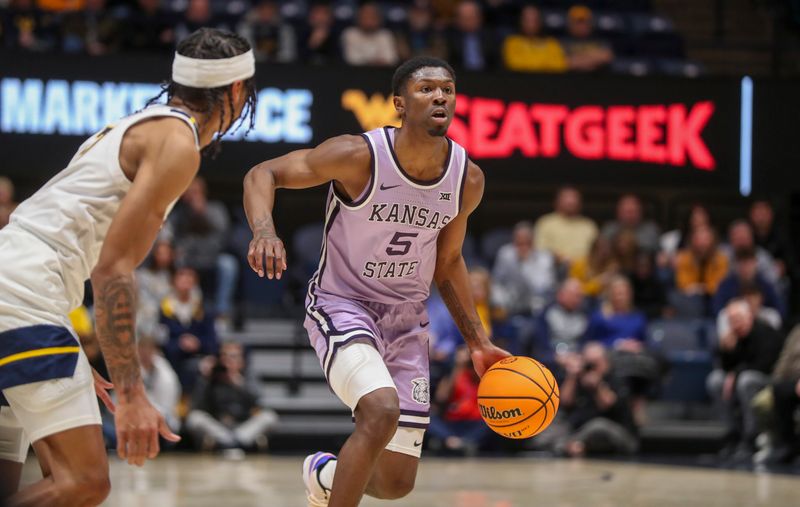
x=581 y=296
x=577 y=295
x=471 y=34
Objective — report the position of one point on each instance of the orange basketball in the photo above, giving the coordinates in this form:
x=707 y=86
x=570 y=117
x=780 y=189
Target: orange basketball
x=518 y=397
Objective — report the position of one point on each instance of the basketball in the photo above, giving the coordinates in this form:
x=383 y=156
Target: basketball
x=518 y=397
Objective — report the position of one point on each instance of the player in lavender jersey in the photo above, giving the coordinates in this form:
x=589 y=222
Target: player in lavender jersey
x=396 y=217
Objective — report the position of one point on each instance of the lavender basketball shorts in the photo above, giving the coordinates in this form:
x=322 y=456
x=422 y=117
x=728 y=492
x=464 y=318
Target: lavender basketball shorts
x=398 y=332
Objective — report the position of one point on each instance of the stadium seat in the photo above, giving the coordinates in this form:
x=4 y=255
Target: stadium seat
x=683 y=344
x=470 y=253
x=678 y=68
x=687 y=306
x=654 y=36
x=492 y=240
x=344 y=13
x=231 y=7
x=306 y=244
x=613 y=28
x=686 y=380
x=176 y=5
x=628 y=5
x=395 y=14
x=293 y=11
x=710 y=336
x=260 y=293
x=555 y=20
x=610 y=24
x=647 y=23
x=637 y=67
x=660 y=45
x=676 y=335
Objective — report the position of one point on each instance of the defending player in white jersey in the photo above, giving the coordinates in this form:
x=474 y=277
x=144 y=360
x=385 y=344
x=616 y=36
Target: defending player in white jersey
x=98 y=218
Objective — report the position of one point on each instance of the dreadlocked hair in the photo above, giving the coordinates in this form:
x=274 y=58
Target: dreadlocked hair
x=210 y=43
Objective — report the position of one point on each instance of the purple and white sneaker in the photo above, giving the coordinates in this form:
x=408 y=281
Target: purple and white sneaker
x=316 y=493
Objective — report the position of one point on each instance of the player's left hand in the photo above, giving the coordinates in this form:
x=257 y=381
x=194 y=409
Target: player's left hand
x=484 y=357
x=267 y=256
x=101 y=388
x=139 y=425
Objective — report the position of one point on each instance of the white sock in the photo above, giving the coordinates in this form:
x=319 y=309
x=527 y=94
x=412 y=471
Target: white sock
x=326 y=474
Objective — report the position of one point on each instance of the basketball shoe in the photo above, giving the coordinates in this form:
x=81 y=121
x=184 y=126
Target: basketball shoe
x=316 y=493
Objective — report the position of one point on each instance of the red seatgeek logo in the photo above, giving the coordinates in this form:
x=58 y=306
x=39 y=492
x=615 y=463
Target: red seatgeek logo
x=668 y=134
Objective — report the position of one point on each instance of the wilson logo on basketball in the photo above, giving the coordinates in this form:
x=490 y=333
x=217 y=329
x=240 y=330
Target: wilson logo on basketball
x=493 y=414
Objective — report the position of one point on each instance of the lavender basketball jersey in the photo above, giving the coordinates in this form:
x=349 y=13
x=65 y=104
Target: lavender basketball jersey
x=381 y=246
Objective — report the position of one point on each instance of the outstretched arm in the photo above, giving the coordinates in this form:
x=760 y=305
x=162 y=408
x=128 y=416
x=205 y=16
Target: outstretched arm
x=452 y=278
x=164 y=172
x=343 y=159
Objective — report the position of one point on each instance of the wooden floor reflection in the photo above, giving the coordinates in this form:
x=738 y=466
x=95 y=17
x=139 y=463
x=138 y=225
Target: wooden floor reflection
x=207 y=481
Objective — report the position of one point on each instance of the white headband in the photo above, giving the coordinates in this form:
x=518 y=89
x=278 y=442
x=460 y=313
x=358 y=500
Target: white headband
x=202 y=73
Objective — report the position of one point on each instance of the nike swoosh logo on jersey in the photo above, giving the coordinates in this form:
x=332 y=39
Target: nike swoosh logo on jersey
x=417 y=444
x=384 y=187
x=423 y=324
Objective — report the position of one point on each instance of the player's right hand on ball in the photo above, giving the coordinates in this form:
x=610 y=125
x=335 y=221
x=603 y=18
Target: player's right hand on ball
x=138 y=426
x=267 y=256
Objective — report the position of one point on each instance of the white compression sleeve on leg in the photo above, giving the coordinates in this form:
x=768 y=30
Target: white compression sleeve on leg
x=357 y=370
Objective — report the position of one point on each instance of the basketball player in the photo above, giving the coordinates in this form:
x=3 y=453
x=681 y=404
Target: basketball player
x=395 y=221
x=98 y=218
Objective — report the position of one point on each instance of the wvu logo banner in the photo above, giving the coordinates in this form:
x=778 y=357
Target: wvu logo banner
x=373 y=112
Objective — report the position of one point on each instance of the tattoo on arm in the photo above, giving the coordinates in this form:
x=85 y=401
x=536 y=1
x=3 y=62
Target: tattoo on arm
x=467 y=321
x=264 y=228
x=115 y=304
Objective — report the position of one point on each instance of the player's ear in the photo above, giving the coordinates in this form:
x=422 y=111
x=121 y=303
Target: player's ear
x=237 y=88
x=399 y=104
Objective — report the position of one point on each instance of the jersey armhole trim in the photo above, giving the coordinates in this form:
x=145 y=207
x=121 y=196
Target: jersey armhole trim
x=462 y=182
x=369 y=190
x=330 y=216
x=192 y=123
x=170 y=113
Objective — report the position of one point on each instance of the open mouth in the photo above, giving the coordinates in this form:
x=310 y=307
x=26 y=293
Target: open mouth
x=439 y=114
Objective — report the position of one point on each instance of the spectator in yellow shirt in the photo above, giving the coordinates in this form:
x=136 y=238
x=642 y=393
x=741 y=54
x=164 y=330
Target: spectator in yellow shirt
x=585 y=52
x=701 y=266
x=596 y=270
x=480 y=282
x=61 y=5
x=565 y=232
x=529 y=51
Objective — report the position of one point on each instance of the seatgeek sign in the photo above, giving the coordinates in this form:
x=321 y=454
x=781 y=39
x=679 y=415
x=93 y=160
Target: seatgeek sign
x=491 y=128
x=656 y=134
x=80 y=108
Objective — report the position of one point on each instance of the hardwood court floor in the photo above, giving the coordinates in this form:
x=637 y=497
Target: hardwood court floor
x=206 y=481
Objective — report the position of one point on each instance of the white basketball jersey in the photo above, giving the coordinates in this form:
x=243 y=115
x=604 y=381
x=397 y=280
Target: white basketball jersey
x=73 y=211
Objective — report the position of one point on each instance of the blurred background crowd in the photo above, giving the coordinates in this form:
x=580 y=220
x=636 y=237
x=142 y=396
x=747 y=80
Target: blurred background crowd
x=624 y=312
x=642 y=321
x=627 y=36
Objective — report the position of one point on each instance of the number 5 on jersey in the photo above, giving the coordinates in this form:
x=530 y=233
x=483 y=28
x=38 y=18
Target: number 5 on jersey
x=400 y=243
